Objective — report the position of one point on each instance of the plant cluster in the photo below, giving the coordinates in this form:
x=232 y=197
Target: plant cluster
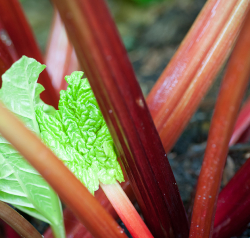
x=143 y=131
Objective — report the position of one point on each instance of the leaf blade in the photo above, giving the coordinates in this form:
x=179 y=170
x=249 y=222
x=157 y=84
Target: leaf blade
x=30 y=193
x=78 y=135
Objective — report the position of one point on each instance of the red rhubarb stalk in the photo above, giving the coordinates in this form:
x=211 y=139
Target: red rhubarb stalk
x=8 y=44
x=232 y=216
x=234 y=198
x=105 y=62
x=5 y=59
x=181 y=70
x=226 y=109
x=17 y=222
x=204 y=77
x=82 y=203
x=17 y=27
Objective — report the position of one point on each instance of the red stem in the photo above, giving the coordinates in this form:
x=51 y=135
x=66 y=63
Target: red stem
x=17 y=27
x=234 y=200
x=204 y=76
x=232 y=213
x=10 y=232
x=5 y=39
x=5 y=59
x=227 y=106
x=181 y=70
x=244 y=138
x=105 y=62
x=7 y=52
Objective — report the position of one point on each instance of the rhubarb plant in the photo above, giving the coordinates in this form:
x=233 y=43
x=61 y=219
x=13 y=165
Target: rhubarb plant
x=104 y=60
x=20 y=184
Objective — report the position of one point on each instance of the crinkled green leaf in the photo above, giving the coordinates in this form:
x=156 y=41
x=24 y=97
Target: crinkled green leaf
x=20 y=184
x=78 y=135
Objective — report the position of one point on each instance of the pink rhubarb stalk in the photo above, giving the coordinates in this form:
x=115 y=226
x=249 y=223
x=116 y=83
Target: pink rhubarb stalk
x=126 y=211
x=60 y=56
x=227 y=106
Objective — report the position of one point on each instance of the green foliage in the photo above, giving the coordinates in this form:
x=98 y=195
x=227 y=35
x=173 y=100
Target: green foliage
x=20 y=184
x=78 y=135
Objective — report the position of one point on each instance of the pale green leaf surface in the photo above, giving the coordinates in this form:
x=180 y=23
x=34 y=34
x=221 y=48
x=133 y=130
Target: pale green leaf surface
x=20 y=184
x=78 y=135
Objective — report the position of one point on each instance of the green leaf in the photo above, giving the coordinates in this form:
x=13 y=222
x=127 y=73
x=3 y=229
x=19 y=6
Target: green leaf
x=20 y=184
x=78 y=135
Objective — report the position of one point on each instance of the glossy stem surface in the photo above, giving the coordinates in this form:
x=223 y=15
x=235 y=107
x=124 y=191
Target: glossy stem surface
x=231 y=93
x=232 y=213
x=66 y=185
x=183 y=67
x=17 y=27
x=126 y=211
x=204 y=76
x=104 y=59
x=17 y=222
